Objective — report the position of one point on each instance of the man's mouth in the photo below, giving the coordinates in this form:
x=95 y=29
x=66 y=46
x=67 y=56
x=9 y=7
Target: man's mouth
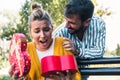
x=71 y=30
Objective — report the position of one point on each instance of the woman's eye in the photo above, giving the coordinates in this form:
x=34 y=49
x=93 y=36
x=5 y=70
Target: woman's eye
x=36 y=31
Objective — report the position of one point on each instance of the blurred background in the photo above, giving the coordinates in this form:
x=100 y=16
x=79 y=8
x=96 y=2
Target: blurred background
x=14 y=17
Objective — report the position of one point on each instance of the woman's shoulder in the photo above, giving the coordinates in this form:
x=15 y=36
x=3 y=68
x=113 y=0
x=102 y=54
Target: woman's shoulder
x=59 y=38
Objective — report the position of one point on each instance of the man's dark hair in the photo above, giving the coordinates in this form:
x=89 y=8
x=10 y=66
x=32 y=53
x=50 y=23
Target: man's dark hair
x=83 y=8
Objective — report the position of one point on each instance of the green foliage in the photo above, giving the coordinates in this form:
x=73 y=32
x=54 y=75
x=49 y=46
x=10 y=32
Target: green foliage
x=101 y=12
x=24 y=14
x=115 y=52
x=3 y=59
x=118 y=50
x=21 y=27
x=9 y=26
x=5 y=78
x=7 y=31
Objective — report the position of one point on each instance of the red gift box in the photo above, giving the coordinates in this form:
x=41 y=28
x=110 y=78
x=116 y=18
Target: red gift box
x=53 y=64
x=18 y=54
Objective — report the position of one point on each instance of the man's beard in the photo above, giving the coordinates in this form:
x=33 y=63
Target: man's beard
x=76 y=31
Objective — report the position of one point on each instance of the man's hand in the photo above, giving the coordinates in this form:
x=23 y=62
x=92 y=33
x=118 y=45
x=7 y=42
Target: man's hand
x=69 y=45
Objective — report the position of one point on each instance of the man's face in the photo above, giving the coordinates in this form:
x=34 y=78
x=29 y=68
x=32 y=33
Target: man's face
x=74 y=24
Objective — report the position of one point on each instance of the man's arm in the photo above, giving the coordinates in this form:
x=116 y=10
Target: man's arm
x=97 y=50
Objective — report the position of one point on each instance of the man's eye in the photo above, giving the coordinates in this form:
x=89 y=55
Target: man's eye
x=71 y=22
x=46 y=29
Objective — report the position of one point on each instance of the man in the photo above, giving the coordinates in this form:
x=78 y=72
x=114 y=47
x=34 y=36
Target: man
x=88 y=32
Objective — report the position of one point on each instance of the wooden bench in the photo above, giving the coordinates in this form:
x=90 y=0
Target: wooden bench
x=109 y=70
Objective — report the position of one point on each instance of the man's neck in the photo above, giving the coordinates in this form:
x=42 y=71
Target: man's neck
x=80 y=34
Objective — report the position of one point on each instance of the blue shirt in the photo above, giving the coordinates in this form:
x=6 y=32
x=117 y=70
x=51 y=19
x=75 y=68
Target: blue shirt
x=93 y=42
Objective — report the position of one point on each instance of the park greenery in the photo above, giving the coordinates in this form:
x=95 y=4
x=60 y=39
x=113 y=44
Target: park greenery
x=56 y=11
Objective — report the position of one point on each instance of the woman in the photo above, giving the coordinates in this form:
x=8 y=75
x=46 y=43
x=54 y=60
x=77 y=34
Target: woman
x=43 y=44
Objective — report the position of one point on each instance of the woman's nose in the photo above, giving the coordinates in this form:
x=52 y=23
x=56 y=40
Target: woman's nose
x=42 y=34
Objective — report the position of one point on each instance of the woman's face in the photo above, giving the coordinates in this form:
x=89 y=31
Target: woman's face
x=41 y=33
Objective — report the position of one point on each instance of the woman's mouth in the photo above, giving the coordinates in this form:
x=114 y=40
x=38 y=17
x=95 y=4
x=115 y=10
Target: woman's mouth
x=44 y=42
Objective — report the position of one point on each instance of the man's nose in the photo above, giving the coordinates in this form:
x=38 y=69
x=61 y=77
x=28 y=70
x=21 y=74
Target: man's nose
x=67 y=24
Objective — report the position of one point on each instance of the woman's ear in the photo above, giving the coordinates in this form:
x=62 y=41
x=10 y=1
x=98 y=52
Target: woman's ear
x=30 y=33
x=87 y=22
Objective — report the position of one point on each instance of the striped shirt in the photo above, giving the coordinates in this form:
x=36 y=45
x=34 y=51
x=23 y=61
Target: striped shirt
x=93 y=42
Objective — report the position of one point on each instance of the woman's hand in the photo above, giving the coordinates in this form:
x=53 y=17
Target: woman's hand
x=58 y=76
x=14 y=75
x=69 y=75
x=69 y=45
x=61 y=76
